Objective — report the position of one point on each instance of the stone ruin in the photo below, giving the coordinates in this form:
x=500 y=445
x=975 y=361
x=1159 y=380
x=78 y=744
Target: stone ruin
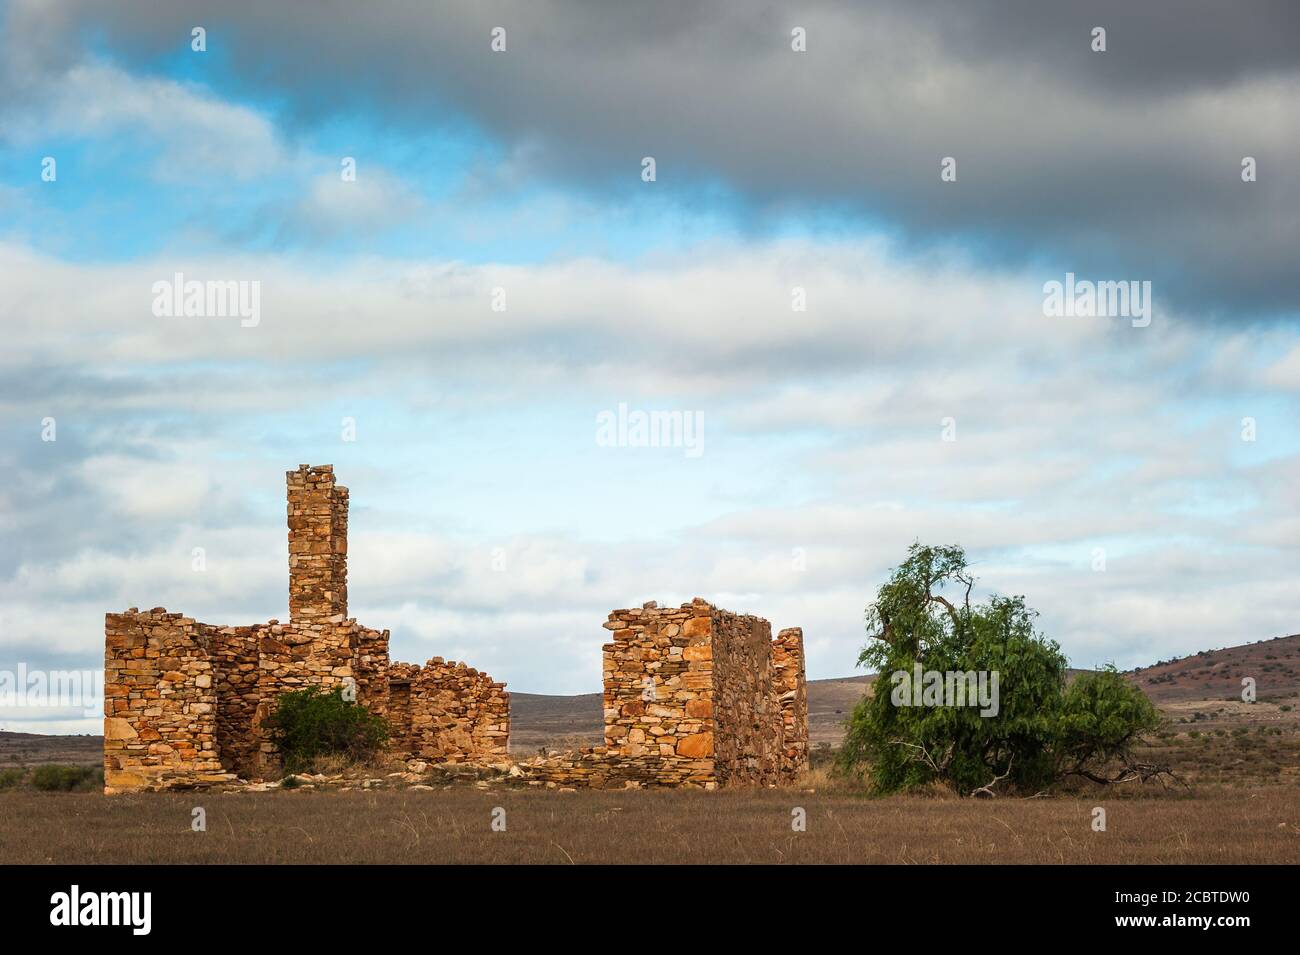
x=694 y=696
x=184 y=701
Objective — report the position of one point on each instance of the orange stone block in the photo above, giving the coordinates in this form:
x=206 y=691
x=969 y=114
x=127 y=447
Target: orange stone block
x=697 y=746
x=699 y=708
x=698 y=627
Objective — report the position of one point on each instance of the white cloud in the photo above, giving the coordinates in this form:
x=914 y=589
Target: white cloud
x=374 y=202
x=824 y=435
x=195 y=131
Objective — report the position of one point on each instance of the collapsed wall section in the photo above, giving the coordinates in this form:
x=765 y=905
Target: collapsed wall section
x=455 y=714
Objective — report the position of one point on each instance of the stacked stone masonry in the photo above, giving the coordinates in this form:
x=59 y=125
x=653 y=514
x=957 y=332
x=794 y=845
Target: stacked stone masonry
x=792 y=696
x=456 y=713
x=185 y=701
x=694 y=696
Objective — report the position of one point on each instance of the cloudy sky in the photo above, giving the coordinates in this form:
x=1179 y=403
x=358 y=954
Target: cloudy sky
x=500 y=273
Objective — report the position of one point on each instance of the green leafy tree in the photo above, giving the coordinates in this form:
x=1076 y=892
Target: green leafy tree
x=1037 y=733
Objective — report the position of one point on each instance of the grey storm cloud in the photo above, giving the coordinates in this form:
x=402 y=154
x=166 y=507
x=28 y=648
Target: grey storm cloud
x=1125 y=163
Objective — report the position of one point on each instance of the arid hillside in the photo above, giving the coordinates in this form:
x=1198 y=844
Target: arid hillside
x=1217 y=674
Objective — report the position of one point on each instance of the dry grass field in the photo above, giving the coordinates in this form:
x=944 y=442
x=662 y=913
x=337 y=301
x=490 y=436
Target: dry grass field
x=453 y=826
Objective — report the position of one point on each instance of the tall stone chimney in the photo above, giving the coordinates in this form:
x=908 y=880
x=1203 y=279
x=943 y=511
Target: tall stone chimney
x=318 y=545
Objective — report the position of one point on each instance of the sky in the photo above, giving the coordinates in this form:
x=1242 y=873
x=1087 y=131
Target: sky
x=836 y=275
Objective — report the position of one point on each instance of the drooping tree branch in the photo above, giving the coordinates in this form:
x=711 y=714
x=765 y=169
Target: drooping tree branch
x=1131 y=772
x=939 y=767
x=987 y=788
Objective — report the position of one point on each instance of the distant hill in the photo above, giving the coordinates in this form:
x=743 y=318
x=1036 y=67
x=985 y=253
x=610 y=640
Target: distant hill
x=539 y=720
x=1217 y=674
x=29 y=749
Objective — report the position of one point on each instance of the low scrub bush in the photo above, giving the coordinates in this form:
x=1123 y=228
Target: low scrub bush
x=308 y=725
x=67 y=779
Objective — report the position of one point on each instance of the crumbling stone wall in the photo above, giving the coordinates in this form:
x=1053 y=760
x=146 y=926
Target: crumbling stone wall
x=185 y=701
x=694 y=696
x=457 y=714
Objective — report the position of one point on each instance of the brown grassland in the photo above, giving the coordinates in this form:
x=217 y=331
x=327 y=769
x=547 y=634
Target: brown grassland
x=1223 y=825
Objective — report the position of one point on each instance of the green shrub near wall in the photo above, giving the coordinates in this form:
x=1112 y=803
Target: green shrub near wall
x=307 y=724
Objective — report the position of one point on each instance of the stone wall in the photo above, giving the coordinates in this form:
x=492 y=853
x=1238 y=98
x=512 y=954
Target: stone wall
x=658 y=678
x=160 y=702
x=236 y=674
x=400 y=676
x=185 y=701
x=694 y=696
x=370 y=667
x=294 y=656
x=457 y=714
x=792 y=696
x=746 y=710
